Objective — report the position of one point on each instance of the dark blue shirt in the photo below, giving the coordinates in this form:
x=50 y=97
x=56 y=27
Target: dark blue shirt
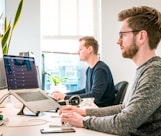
x=99 y=84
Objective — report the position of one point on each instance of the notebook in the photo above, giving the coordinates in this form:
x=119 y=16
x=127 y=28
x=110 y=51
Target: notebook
x=23 y=83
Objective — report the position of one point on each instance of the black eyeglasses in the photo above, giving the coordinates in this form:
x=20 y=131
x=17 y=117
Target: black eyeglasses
x=132 y=31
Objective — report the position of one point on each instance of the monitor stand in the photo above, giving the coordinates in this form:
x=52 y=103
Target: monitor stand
x=21 y=112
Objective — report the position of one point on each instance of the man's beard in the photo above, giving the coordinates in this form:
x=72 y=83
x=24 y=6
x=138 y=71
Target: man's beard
x=131 y=52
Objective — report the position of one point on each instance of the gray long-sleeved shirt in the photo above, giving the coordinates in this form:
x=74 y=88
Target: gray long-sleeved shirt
x=141 y=113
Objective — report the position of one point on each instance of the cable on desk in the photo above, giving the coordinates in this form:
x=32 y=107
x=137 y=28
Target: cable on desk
x=4 y=97
x=40 y=122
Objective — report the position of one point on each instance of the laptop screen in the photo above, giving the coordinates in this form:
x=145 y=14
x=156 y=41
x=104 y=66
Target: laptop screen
x=21 y=72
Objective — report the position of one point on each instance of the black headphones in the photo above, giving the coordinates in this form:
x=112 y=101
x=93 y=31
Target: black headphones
x=74 y=100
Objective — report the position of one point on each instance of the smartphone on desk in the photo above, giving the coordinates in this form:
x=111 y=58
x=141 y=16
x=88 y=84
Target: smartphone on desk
x=57 y=130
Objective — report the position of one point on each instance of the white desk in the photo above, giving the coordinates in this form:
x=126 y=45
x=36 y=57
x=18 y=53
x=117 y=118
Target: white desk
x=18 y=125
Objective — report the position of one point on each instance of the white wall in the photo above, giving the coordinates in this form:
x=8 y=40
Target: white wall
x=26 y=36
x=122 y=69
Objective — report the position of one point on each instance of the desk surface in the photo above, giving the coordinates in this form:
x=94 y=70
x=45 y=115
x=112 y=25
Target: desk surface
x=18 y=125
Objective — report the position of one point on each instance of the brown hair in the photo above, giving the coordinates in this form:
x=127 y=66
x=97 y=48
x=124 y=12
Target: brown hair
x=144 y=18
x=90 y=41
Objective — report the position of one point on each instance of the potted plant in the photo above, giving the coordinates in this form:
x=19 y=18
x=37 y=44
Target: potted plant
x=8 y=29
x=56 y=82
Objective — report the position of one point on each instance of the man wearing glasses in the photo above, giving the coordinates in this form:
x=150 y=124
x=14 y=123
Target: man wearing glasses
x=140 y=114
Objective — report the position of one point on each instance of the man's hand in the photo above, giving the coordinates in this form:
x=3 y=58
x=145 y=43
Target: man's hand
x=70 y=108
x=58 y=95
x=72 y=118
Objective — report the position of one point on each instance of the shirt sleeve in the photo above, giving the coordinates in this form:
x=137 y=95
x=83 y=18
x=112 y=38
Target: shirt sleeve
x=141 y=107
x=68 y=95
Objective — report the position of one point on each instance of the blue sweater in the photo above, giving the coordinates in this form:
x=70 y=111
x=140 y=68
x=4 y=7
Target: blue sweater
x=99 y=84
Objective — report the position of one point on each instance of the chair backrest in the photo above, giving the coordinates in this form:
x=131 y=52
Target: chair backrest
x=121 y=88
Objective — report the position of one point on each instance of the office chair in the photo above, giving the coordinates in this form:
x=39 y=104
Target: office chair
x=121 y=88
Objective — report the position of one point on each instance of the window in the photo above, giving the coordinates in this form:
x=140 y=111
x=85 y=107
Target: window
x=64 y=65
x=63 y=22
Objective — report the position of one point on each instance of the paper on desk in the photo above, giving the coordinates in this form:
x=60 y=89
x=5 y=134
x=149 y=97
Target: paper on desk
x=55 y=122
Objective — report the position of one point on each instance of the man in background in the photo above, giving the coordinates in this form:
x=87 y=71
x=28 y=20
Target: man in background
x=99 y=80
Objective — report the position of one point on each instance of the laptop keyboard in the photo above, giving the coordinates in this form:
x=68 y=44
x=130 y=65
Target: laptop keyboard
x=32 y=96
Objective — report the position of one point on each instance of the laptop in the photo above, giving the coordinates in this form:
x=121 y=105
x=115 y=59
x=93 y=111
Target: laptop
x=23 y=83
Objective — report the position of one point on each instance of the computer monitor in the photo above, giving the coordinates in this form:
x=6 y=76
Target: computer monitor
x=3 y=81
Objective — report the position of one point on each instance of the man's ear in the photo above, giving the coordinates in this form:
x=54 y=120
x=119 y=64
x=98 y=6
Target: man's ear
x=143 y=36
x=90 y=49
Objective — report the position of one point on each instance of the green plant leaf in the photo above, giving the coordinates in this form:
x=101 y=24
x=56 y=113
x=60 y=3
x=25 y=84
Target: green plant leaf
x=18 y=13
x=56 y=79
x=5 y=37
x=8 y=29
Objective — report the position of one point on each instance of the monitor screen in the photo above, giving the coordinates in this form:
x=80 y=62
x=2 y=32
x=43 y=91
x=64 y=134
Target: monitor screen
x=3 y=82
x=21 y=72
